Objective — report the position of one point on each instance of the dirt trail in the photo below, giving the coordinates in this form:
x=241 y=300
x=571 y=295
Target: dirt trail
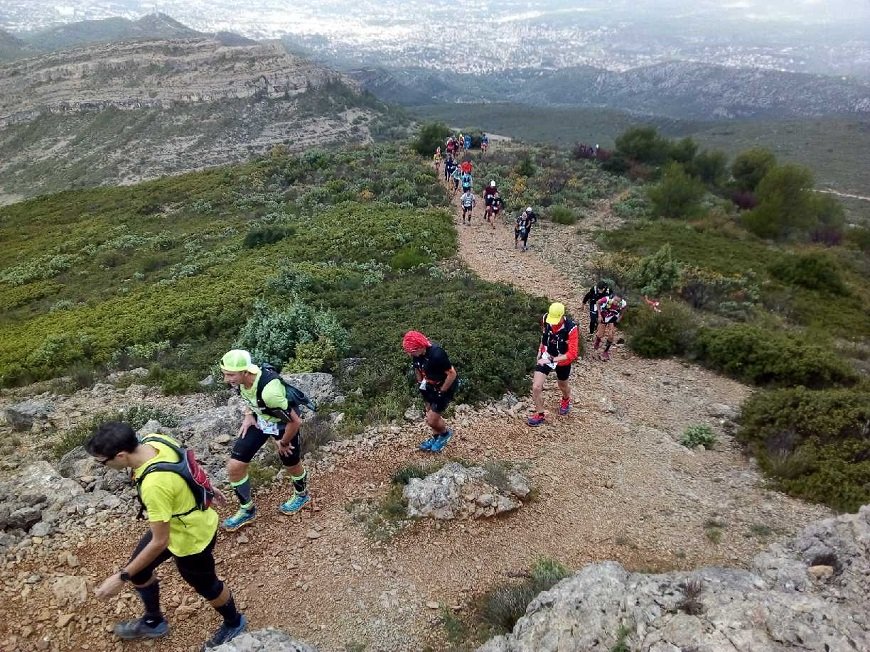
x=611 y=481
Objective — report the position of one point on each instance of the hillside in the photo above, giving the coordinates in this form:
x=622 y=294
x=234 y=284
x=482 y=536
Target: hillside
x=677 y=90
x=71 y=35
x=122 y=112
x=834 y=148
x=172 y=261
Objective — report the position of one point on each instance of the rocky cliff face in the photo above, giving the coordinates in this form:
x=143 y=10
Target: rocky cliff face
x=808 y=594
x=151 y=74
x=124 y=112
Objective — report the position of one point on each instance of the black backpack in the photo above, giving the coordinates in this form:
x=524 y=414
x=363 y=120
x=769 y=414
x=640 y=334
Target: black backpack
x=296 y=398
x=188 y=468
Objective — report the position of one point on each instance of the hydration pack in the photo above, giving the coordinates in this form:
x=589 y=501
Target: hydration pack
x=187 y=467
x=296 y=398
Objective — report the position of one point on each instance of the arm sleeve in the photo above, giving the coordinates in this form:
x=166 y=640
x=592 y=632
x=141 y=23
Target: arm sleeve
x=587 y=297
x=572 y=345
x=543 y=346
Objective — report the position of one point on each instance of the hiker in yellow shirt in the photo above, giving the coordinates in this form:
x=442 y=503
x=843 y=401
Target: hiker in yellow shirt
x=182 y=527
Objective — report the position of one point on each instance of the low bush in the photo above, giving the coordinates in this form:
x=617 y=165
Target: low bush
x=813 y=443
x=657 y=274
x=698 y=435
x=765 y=357
x=562 y=215
x=273 y=334
x=660 y=334
x=813 y=271
x=501 y=607
x=266 y=235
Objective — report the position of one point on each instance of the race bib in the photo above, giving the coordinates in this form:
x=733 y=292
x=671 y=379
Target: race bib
x=268 y=427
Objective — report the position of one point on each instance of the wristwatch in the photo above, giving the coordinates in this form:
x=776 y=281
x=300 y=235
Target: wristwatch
x=124 y=575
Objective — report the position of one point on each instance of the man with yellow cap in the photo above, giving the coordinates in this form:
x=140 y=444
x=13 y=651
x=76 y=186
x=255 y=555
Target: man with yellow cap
x=268 y=415
x=559 y=348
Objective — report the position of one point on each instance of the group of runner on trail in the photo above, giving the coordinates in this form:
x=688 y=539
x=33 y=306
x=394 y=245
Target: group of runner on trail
x=178 y=496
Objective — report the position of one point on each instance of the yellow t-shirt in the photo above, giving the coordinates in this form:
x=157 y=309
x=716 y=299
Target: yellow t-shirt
x=165 y=493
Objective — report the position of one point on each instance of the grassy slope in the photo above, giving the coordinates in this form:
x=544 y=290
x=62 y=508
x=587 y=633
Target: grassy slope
x=98 y=276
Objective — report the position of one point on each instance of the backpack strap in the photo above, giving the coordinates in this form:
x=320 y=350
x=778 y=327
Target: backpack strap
x=168 y=467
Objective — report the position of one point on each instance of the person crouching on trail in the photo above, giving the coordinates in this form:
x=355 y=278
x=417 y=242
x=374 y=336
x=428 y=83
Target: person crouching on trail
x=436 y=379
x=268 y=415
x=558 y=349
x=181 y=527
x=610 y=311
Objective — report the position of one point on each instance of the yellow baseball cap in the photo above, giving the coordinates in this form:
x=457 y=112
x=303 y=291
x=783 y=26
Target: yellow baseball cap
x=238 y=360
x=555 y=313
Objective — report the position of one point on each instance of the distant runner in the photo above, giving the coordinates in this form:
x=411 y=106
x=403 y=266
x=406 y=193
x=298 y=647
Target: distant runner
x=467 y=201
x=596 y=292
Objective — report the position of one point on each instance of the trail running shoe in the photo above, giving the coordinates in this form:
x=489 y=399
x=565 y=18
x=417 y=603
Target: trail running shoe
x=565 y=406
x=295 y=504
x=240 y=518
x=132 y=629
x=226 y=633
x=426 y=445
x=441 y=441
x=536 y=419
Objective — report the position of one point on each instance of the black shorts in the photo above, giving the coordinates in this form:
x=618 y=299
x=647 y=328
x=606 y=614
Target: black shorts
x=246 y=447
x=466 y=209
x=438 y=401
x=562 y=371
x=487 y=200
x=197 y=570
x=455 y=183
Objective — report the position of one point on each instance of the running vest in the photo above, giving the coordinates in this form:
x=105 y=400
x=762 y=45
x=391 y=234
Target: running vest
x=556 y=342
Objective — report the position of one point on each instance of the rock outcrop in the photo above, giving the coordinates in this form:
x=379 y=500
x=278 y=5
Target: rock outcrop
x=812 y=593
x=456 y=491
x=264 y=640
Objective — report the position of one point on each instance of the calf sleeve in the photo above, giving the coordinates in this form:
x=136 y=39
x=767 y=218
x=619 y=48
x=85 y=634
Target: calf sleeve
x=242 y=488
x=300 y=484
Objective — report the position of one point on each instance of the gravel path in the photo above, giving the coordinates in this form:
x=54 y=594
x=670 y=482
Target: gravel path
x=611 y=483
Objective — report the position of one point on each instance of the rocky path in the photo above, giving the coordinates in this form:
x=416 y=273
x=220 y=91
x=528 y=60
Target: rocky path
x=611 y=483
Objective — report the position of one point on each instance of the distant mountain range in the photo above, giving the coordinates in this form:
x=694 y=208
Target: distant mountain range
x=109 y=30
x=678 y=90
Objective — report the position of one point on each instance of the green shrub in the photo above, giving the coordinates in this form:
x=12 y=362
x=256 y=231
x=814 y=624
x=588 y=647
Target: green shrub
x=767 y=357
x=813 y=443
x=677 y=195
x=657 y=274
x=660 y=334
x=404 y=474
x=562 y=215
x=502 y=606
x=813 y=271
x=266 y=235
x=272 y=334
x=409 y=258
x=430 y=136
x=698 y=435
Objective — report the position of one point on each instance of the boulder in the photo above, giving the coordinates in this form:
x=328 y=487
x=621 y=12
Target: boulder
x=264 y=640
x=78 y=465
x=456 y=491
x=70 y=590
x=780 y=604
x=21 y=416
x=318 y=386
x=722 y=411
x=22 y=518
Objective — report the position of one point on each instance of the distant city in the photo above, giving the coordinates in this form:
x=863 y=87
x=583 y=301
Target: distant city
x=483 y=36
